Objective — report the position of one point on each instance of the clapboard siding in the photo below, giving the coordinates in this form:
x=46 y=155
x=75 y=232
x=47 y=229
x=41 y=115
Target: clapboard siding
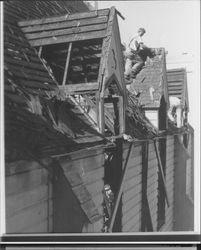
x=152 y=184
x=170 y=165
x=28 y=198
x=132 y=188
x=85 y=171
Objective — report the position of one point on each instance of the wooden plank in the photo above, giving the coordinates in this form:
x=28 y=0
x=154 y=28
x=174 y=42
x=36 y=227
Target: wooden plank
x=161 y=171
x=93 y=176
x=95 y=188
x=64 y=24
x=91 y=211
x=67 y=63
x=132 y=172
x=130 y=193
x=81 y=193
x=25 y=199
x=131 y=223
x=131 y=213
x=134 y=162
x=81 y=87
x=68 y=17
x=33 y=77
x=69 y=31
x=26 y=64
x=131 y=203
x=132 y=182
x=134 y=154
x=27 y=217
x=26 y=181
x=119 y=192
x=21 y=166
x=146 y=220
x=69 y=38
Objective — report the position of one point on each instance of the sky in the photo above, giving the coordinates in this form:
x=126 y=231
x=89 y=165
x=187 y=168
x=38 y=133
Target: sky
x=174 y=25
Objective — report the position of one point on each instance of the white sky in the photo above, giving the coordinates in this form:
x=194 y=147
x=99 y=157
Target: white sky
x=174 y=25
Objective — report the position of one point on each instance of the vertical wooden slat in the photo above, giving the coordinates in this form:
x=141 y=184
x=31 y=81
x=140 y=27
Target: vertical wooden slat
x=120 y=190
x=146 y=221
x=161 y=171
x=67 y=63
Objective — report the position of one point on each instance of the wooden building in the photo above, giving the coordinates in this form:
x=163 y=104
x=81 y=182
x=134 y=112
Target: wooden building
x=71 y=127
x=151 y=82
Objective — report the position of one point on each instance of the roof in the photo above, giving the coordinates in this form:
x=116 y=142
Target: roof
x=137 y=125
x=177 y=85
x=151 y=81
x=89 y=40
x=28 y=90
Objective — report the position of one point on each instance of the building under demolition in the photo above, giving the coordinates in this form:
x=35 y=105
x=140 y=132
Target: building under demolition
x=83 y=154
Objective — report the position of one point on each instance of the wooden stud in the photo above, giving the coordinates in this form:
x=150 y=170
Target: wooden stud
x=67 y=63
x=161 y=171
x=120 y=190
x=146 y=221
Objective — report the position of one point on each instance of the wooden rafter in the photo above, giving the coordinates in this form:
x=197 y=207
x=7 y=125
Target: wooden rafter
x=67 y=63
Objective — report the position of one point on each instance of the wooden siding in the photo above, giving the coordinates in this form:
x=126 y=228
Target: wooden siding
x=152 y=115
x=131 y=198
x=28 y=198
x=152 y=184
x=85 y=172
x=169 y=218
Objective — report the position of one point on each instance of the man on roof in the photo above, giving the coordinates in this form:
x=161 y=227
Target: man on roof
x=136 y=54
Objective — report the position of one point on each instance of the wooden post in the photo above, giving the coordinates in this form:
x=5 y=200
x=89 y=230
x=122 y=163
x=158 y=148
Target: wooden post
x=119 y=193
x=40 y=51
x=161 y=171
x=146 y=222
x=67 y=63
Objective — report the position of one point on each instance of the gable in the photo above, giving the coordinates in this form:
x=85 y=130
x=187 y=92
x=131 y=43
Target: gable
x=151 y=82
x=177 y=85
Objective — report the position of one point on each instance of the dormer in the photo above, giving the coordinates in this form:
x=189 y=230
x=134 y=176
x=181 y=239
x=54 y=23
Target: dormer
x=83 y=53
x=151 y=83
x=177 y=87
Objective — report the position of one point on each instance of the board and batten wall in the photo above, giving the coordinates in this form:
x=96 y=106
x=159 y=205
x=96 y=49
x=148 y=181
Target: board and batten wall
x=28 y=198
x=36 y=203
x=85 y=173
x=132 y=188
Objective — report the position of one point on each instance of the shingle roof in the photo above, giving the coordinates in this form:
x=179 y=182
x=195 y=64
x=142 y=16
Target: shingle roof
x=28 y=85
x=177 y=84
x=150 y=81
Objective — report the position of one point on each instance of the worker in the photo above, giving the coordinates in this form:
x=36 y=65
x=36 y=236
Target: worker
x=175 y=111
x=135 y=55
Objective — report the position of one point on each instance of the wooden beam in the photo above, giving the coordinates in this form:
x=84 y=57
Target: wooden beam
x=162 y=173
x=146 y=221
x=69 y=38
x=120 y=190
x=67 y=17
x=40 y=51
x=68 y=31
x=67 y=63
x=82 y=87
x=63 y=25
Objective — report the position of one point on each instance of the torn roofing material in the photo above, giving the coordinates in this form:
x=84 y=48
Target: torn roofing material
x=177 y=85
x=137 y=125
x=150 y=82
x=28 y=84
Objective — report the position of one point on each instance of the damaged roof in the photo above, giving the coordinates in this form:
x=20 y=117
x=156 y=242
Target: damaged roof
x=151 y=81
x=89 y=40
x=28 y=87
x=177 y=85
